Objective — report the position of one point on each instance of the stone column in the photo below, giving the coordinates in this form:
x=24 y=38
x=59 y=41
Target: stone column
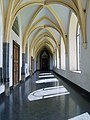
x=1 y=81
x=67 y=54
x=59 y=56
x=23 y=66
x=6 y=67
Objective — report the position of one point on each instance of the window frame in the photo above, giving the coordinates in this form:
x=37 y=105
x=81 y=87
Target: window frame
x=78 y=46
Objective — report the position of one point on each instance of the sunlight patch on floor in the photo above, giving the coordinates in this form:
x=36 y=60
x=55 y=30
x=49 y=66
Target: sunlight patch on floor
x=48 y=92
x=45 y=73
x=84 y=116
x=47 y=80
x=44 y=76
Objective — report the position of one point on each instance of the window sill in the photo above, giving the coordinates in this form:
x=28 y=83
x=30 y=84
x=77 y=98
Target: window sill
x=77 y=71
x=63 y=69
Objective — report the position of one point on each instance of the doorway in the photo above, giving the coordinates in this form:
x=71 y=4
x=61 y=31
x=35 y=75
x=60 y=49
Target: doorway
x=16 y=63
x=44 y=61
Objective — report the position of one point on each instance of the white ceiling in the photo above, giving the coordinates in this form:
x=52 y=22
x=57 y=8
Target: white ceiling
x=26 y=15
x=59 y=16
x=61 y=11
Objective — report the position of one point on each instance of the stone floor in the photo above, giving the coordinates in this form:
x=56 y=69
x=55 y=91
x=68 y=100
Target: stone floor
x=18 y=107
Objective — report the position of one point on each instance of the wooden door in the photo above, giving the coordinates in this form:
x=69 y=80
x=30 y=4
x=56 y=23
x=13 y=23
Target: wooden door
x=44 y=61
x=16 y=58
x=44 y=64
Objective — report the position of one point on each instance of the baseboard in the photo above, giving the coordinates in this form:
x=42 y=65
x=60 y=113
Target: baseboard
x=77 y=88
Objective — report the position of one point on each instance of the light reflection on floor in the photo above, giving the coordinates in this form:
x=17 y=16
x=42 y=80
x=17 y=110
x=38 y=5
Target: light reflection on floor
x=84 y=116
x=44 y=76
x=45 y=73
x=48 y=92
x=47 y=80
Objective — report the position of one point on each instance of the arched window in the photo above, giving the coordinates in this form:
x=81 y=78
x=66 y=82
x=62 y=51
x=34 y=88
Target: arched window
x=78 y=45
x=63 y=57
x=74 y=44
x=57 y=59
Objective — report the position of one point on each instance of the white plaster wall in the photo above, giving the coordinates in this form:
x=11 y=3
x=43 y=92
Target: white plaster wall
x=14 y=37
x=1 y=38
x=83 y=79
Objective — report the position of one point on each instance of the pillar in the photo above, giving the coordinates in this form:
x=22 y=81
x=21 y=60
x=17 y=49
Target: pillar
x=6 y=67
x=67 y=53
x=1 y=75
x=23 y=65
x=59 y=57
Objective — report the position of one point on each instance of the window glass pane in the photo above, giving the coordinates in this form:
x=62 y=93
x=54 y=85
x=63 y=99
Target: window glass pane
x=78 y=47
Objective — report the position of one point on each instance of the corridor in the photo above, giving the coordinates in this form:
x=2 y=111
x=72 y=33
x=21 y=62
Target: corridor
x=17 y=106
x=44 y=59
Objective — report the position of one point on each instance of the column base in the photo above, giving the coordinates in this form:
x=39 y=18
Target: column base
x=23 y=77
x=7 y=89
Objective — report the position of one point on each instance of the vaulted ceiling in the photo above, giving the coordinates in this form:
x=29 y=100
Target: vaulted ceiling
x=43 y=22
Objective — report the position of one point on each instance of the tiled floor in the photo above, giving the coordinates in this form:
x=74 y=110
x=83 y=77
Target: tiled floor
x=18 y=107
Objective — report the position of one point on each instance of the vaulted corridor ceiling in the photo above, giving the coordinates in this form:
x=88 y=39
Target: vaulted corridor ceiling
x=43 y=22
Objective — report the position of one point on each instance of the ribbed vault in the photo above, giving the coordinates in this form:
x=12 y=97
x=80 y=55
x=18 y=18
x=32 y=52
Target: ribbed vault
x=42 y=24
